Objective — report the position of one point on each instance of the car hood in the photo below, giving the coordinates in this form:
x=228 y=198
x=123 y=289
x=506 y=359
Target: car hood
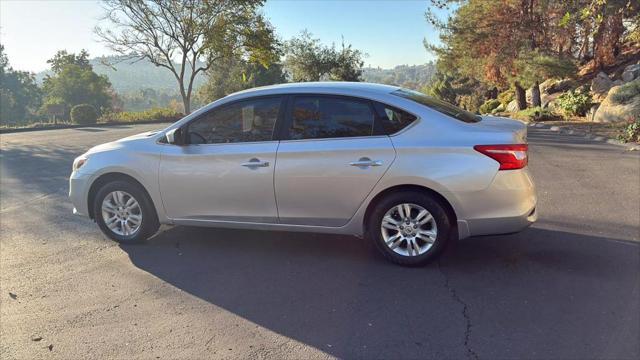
x=143 y=135
x=121 y=143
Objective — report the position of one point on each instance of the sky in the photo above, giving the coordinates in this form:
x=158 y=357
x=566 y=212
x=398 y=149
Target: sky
x=390 y=32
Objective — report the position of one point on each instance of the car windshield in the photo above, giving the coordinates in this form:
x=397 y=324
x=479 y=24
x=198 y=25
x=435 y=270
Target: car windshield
x=438 y=105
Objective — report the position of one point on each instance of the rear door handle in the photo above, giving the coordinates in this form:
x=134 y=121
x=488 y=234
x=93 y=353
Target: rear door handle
x=254 y=163
x=363 y=162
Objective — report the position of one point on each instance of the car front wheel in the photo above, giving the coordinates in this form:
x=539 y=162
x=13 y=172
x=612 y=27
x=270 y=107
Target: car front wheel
x=124 y=212
x=409 y=228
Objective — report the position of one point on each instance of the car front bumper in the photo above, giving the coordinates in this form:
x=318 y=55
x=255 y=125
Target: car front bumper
x=78 y=192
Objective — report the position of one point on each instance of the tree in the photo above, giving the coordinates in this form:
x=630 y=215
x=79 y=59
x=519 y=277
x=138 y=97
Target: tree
x=533 y=66
x=492 y=41
x=235 y=74
x=19 y=93
x=482 y=39
x=307 y=59
x=347 y=64
x=186 y=37
x=608 y=17
x=74 y=82
x=62 y=58
x=441 y=88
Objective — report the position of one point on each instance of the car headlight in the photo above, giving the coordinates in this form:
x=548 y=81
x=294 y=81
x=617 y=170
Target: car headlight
x=78 y=162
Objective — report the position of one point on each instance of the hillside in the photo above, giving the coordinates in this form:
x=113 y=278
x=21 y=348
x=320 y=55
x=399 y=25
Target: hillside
x=410 y=76
x=127 y=76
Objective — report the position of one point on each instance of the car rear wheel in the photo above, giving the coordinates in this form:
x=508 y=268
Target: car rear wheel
x=124 y=212
x=409 y=228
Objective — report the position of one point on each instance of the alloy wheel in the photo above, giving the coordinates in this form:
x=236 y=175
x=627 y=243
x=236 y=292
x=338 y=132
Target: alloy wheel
x=121 y=213
x=409 y=229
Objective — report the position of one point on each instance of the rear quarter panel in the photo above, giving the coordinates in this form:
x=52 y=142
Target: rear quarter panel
x=437 y=152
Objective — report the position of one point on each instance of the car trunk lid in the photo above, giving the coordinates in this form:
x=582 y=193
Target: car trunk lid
x=504 y=125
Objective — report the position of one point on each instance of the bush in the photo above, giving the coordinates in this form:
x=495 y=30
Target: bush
x=489 y=106
x=626 y=92
x=631 y=132
x=575 y=102
x=536 y=114
x=84 y=114
x=152 y=115
x=506 y=97
x=470 y=102
x=499 y=109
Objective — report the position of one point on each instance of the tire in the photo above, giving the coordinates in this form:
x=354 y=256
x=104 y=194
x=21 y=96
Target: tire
x=426 y=245
x=144 y=229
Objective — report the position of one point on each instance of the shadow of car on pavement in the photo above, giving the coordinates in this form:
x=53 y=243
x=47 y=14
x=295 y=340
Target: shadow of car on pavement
x=336 y=294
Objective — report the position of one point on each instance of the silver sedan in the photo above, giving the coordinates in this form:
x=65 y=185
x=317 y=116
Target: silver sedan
x=404 y=170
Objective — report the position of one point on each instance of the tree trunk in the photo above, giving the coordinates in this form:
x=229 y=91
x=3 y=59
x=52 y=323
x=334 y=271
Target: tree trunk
x=186 y=100
x=186 y=104
x=492 y=93
x=535 y=95
x=607 y=40
x=521 y=97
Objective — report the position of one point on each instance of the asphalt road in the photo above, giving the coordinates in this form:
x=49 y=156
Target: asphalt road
x=569 y=287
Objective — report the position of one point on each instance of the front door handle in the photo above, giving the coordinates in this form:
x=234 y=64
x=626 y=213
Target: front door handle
x=364 y=162
x=254 y=163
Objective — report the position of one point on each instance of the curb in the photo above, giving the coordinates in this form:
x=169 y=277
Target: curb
x=71 y=126
x=586 y=135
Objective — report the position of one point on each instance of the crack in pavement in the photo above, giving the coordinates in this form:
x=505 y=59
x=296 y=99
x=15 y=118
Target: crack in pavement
x=465 y=313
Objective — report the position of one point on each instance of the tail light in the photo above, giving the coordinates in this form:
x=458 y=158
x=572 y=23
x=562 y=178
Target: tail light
x=510 y=157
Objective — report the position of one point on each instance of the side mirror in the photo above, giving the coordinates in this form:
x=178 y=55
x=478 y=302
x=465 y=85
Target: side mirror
x=175 y=136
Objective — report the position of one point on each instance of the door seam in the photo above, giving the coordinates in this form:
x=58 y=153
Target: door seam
x=273 y=183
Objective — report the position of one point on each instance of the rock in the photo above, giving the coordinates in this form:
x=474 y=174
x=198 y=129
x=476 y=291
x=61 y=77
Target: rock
x=601 y=84
x=552 y=86
x=546 y=85
x=512 y=107
x=13 y=296
x=612 y=111
x=529 y=95
x=499 y=109
x=631 y=73
x=627 y=76
x=36 y=338
x=591 y=114
x=547 y=99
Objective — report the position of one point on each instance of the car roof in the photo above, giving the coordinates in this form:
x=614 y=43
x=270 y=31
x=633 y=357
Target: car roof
x=323 y=86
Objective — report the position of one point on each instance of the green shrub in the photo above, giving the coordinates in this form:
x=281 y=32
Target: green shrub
x=84 y=114
x=536 y=114
x=626 y=92
x=575 y=102
x=499 y=109
x=152 y=115
x=470 y=102
x=506 y=97
x=489 y=106
x=631 y=132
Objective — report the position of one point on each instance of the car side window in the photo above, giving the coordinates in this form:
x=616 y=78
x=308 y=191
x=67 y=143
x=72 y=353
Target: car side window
x=243 y=121
x=392 y=119
x=317 y=117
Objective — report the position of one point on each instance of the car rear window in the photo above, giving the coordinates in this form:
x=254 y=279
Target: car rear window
x=391 y=119
x=438 y=105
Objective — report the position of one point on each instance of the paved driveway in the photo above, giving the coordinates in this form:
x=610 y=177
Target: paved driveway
x=569 y=287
